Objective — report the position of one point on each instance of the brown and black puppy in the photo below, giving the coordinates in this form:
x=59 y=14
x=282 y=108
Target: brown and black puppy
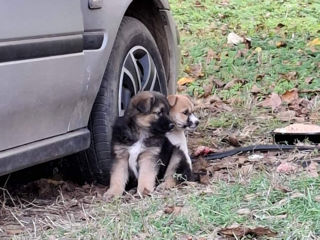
x=137 y=141
x=175 y=154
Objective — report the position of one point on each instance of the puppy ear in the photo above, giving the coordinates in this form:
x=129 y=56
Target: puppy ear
x=172 y=99
x=145 y=105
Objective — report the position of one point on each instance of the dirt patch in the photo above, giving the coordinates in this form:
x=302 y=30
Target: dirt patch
x=42 y=204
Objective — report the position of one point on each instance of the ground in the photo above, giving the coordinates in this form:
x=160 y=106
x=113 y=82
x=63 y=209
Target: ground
x=242 y=92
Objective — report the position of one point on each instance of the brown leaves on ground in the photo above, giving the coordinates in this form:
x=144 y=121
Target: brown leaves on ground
x=287 y=168
x=194 y=70
x=281 y=44
x=235 y=39
x=255 y=89
x=289 y=106
x=286 y=115
x=312 y=169
x=185 y=80
x=212 y=55
x=274 y=101
x=175 y=210
x=213 y=103
x=239 y=231
x=290 y=76
x=290 y=96
x=314 y=42
x=234 y=82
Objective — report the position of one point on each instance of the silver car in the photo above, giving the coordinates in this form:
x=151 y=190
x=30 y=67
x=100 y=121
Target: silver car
x=69 y=67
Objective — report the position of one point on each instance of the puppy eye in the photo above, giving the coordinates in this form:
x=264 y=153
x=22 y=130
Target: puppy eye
x=186 y=112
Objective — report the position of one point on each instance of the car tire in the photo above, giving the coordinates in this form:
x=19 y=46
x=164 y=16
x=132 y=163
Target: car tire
x=133 y=43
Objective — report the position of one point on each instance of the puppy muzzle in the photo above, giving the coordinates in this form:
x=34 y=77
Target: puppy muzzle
x=193 y=122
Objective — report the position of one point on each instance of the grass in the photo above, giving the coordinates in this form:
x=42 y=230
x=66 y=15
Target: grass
x=204 y=26
x=204 y=209
x=294 y=215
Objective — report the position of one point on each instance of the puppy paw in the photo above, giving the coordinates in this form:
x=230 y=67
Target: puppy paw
x=111 y=194
x=166 y=185
x=143 y=191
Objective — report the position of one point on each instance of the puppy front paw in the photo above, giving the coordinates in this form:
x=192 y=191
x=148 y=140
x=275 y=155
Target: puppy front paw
x=167 y=184
x=144 y=191
x=111 y=194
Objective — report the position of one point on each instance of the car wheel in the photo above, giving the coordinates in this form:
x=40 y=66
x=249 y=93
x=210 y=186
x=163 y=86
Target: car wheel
x=134 y=65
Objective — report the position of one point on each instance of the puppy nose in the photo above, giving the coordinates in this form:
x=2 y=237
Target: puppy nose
x=196 y=123
x=171 y=126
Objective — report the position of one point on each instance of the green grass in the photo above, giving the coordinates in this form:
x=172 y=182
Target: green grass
x=294 y=215
x=206 y=27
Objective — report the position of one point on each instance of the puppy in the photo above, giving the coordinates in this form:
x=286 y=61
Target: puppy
x=181 y=113
x=137 y=141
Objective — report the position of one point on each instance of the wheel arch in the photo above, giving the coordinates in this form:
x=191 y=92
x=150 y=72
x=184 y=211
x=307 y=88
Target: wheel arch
x=156 y=17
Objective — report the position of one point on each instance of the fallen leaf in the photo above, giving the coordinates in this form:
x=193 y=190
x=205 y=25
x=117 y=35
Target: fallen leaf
x=205 y=179
x=281 y=44
x=282 y=188
x=200 y=165
x=224 y=2
x=247 y=42
x=199 y=5
x=207 y=90
x=214 y=98
x=281 y=216
x=255 y=157
x=233 y=141
x=195 y=70
x=185 y=80
x=258 y=50
x=289 y=76
x=286 y=115
x=280 y=25
x=172 y=210
x=13 y=229
x=273 y=101
x=186 y=54
x=297 y=195
x=224 y=29
x=286 y=168
x=250 y=196
x=246 y=170
x=234 y=39
x=260 y=76
x=313 y=169
x=241 y=53
x=212 y=55
x=244 y=211
x=218 y=83
x=290 y=95
x=308 y=80
x=203 y=151
x=255 y=89
x=314 y=42
x=233 y=82
x=241 y=231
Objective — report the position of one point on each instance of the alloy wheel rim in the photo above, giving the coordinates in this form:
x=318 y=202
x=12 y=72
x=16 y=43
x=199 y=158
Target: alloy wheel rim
x=138 y=73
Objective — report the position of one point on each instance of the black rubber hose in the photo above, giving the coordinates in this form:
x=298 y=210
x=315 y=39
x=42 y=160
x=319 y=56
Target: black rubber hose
x=256 y=148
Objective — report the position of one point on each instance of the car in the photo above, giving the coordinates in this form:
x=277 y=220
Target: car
x=68 y=68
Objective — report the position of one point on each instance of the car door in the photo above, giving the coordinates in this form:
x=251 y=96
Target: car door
x=41 y=69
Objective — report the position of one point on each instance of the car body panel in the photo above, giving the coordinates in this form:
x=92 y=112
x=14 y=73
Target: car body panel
x=45 y=97
x=38 y=95
x=36 y=18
